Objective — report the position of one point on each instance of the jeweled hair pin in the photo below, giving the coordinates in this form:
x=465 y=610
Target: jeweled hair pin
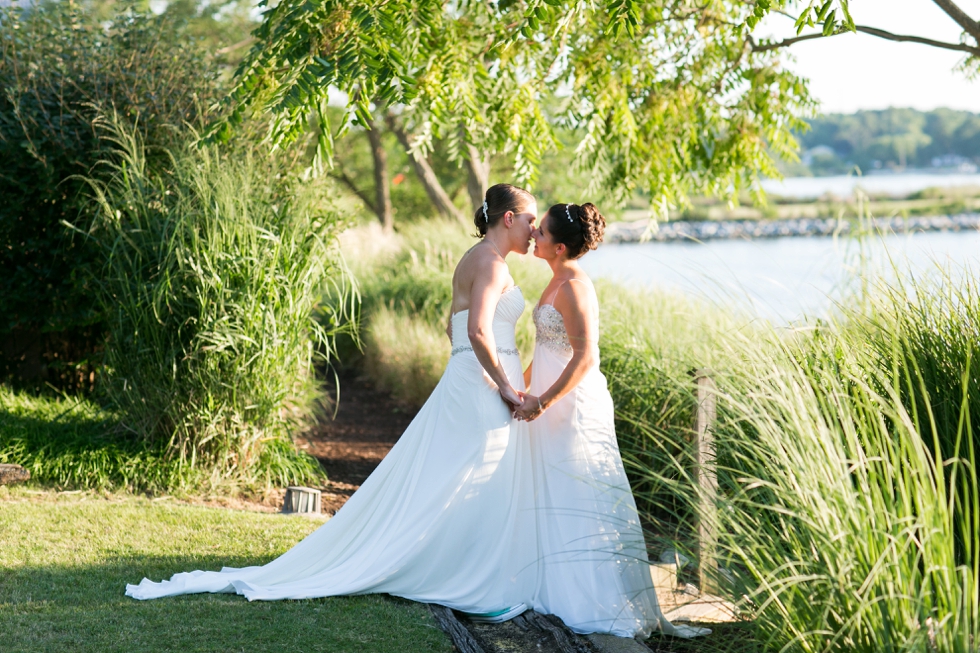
x=486 y=216
x=568 y=213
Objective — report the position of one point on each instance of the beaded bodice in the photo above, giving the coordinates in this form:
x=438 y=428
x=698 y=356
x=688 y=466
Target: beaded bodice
x=509 y=309
x=550 y=329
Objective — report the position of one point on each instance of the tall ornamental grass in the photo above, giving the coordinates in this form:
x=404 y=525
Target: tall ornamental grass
x=848 y=504
x=72 y=443
x=214 y=269
x=847 y=526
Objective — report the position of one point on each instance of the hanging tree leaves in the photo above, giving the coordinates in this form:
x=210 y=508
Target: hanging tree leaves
x=669 y=97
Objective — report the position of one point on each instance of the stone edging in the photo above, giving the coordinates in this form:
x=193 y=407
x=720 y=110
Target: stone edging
x=680 y=230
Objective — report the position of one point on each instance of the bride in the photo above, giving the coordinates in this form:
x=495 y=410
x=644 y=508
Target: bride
x=447 y=517
x=592 y=567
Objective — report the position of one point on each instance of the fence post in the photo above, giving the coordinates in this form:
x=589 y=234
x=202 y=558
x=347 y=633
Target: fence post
x=706 y=478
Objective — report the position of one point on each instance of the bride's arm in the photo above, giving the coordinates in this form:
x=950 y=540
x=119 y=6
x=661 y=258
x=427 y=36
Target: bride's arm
x=574 y=302
x=484 y=295
x=527 y=375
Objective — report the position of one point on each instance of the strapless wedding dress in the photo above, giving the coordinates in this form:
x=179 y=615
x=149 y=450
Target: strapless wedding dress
x=593 y=569
x=445 y=518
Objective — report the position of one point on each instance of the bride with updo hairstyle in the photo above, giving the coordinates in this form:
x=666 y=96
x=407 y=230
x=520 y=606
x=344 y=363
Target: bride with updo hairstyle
x=447 y=517
x=593 y=570
x=498 y=201
x=580 y=234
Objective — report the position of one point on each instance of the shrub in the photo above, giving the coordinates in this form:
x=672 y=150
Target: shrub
x=213 y=271
x=60 y=69
x=404 y=355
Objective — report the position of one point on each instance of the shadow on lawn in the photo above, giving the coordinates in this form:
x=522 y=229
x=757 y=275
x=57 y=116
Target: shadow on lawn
x=72 y=444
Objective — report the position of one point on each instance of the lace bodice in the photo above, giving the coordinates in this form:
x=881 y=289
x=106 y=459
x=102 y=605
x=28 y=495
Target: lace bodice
x=550 y=329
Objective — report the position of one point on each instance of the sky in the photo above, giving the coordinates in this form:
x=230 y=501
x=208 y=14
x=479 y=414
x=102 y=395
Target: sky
x=858 y=71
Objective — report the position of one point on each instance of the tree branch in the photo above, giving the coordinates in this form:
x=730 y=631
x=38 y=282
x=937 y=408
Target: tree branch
x=437 y=194
x=340 y=175
x=873 y=31
x=234 y=46
x=952 y=10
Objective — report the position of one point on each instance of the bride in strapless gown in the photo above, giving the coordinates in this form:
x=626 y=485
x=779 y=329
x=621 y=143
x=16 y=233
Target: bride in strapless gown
x=446 y=517
x=593 y=570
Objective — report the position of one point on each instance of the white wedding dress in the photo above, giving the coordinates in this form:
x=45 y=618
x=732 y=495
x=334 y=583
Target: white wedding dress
x=593 y=569
x=445 y=518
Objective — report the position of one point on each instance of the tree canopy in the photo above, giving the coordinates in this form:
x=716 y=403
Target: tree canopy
x=670 y=97
x=667 y=96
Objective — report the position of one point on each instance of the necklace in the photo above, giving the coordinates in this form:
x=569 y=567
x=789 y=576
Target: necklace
x=494 y=248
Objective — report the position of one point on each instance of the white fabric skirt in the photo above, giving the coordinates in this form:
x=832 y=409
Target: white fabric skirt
x=446 y=518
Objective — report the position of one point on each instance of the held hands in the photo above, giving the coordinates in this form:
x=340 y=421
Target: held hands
x=513 y=398
x=530 y=409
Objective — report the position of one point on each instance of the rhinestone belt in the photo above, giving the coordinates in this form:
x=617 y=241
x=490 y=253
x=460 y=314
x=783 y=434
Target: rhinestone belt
x=500 y=350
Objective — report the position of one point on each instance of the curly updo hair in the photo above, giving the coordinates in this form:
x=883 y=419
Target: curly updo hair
x=498 y=200
x=578 y=228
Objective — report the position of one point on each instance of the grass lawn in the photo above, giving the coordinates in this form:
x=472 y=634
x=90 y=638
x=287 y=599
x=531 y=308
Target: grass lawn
x=65 y=561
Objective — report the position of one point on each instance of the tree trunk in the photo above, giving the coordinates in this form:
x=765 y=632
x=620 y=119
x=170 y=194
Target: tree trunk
x=478 y=176
x=437 y=194
x=382 y=185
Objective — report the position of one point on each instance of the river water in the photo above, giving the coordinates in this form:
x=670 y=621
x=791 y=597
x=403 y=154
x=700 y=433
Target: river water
x=781 y=279
x=898 y=185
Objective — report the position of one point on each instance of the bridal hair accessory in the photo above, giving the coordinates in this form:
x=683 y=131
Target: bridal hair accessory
x=486 y=217
x=568 y=213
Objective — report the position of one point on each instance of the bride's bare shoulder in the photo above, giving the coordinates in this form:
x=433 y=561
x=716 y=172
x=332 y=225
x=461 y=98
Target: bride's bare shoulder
x=576 y=293
x=479 y=261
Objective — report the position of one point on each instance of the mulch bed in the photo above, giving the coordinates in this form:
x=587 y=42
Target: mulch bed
x=350 y=445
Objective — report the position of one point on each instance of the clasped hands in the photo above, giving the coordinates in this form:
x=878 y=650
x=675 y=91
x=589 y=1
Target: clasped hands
x=525 y=407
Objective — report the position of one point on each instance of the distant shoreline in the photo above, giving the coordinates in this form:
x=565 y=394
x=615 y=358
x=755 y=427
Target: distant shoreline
x=682 y=230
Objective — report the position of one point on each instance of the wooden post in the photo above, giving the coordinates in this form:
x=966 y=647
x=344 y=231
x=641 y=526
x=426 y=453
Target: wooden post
x=301 y=500
x=706 y=477
x=13 y=474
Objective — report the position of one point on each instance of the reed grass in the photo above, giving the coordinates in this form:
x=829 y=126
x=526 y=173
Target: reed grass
x=844 y=521
x=215 y=270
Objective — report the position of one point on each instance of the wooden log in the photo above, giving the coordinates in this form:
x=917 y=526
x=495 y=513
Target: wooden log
x=13 y=474
x=462 y=639
x=301 y=500
x=565 y=638
x=706 y=476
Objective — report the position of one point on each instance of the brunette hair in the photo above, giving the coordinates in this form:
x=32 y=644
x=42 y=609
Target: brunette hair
x=578 y=228
x=498 y=200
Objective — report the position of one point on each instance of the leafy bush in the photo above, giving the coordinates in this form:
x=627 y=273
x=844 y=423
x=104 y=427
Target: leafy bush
x=214 y=267
x=60 y=70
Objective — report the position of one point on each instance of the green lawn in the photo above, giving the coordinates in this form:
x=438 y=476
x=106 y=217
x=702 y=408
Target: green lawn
x=65 y=561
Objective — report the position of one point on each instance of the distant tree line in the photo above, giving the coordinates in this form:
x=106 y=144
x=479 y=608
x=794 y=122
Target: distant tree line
x=889 y=139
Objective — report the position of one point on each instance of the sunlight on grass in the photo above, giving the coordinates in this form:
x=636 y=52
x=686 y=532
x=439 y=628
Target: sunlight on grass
x=67 y=560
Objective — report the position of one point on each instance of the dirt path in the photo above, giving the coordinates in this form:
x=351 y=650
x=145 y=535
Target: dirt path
x=350 y=446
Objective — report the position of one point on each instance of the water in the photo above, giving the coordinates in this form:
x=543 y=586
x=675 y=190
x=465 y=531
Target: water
x=898 y=185
x=782 y=279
